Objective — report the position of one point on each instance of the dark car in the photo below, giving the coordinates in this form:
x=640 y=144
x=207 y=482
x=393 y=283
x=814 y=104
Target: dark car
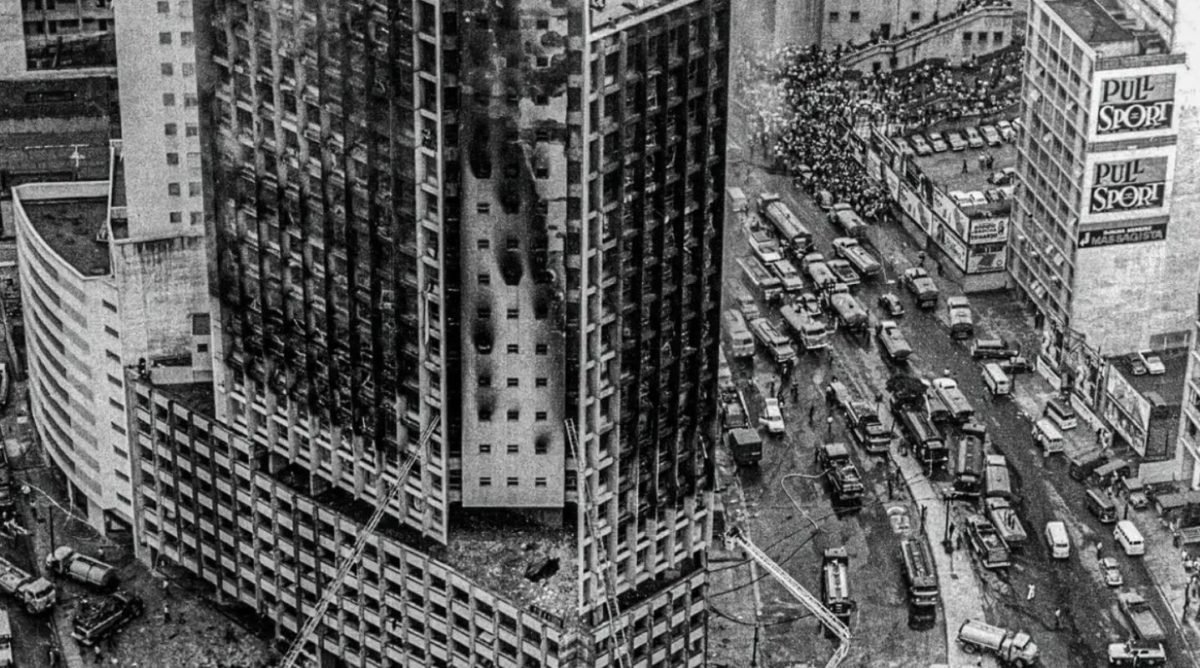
x=891 y=305
x=1016 y=364
x=98 y=618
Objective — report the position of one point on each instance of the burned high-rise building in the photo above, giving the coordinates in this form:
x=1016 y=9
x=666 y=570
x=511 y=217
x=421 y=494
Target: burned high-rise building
x=472 y=250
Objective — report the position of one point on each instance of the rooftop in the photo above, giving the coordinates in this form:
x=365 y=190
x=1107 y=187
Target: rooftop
x=69 y=227
x=198 y=397
x=1090 y=21
x=946 y=169
x=1168 y=385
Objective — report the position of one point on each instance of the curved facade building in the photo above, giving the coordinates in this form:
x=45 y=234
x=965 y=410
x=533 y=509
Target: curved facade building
x=73 y=339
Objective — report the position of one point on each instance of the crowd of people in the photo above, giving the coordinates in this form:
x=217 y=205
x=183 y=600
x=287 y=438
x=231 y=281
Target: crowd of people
x=805 y=102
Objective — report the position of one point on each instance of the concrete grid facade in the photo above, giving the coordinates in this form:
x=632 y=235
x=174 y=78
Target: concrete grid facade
x=416 y=203
x=1107 y=211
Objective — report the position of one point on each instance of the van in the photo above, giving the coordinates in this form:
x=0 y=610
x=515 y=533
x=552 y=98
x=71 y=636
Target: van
x=741 y=343
x=1046 y=435
x=6 y=644
x=996 y=381
x=824 y=199
x=1083 y=465
x=1101 y=505
x=737 y=199
x=1129 y=538
x=1056 y=539
x=724 y=373
x=1061 y=412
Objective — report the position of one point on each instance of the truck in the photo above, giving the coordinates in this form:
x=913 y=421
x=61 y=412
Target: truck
x=1011 y=648
x=745 y=444
x=962 y=322
x=920 y=574
x=858 y=257
x=844 y=272
x=968 y=474
x=866 y=428
x=1139 y=654
x=797 y=237
x=1004 y=517
x=923 y=434
x=996 y=481
x=954 y=399
x=66 y=561
x=849 y=312
x=733 y=410
x=843 y=216
x=810 y=332
x=835 y=583
x=935 y=408
x=922 y=287
x=807 y=302
x=840 y=471
x=765 y=246
x=788 y=275
x=778 y=345
x=37 y=594
x=766 y=284
x=818 y=271
x=986 y=543
x=892 y=341
x=98 y=618
x=1141 y=617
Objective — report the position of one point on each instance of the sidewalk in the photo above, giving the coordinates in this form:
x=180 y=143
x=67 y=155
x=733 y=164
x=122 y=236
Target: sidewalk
x=962 y=596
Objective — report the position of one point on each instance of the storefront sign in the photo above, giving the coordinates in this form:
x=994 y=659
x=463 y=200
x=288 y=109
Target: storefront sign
x=1141 y=103
x=1133 y=234
x=1128 y=185
x=985 y=230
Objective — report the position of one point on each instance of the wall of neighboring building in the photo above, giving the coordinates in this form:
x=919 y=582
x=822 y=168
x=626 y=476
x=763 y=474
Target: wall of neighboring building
x=975 y=33
x=156 y=63
x=12 y=40
x=76 y=379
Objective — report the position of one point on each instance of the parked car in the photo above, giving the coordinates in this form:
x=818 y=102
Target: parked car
x=993 y=349
x=902 y=145
x=920 y=145
x=974 y=139
x=1006 y=130
x=957 y=143
x=1153 y=363
x=990 y=135
x=891 y=305
x=1136 y=366
x=772 y=417
x=937 y=142
x=1112 y=572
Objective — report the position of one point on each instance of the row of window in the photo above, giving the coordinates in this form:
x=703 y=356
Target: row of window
x=175 y=190
x=190 y=130
x=513 y=415
x=189 y=100
x=168 y=69
x=167 y=38
x=512 y=481
x=486 y=381
x=514 y=313
x=539 y=448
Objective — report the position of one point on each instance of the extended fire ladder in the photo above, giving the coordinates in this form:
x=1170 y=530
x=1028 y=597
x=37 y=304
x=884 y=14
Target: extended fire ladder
x=737 y=537
x=612 y=608
x=334 y=588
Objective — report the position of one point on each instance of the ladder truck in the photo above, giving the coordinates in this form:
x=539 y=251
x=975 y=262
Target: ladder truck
x=334 y=589
x=737 y=537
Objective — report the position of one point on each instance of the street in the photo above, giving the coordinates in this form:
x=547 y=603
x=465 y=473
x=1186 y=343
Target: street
x=785 y=505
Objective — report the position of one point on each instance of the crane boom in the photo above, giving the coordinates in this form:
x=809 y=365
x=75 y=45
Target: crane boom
x=335 y=585
x=737 y=537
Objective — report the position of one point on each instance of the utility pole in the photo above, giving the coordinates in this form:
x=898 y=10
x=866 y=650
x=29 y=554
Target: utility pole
x=754 y=648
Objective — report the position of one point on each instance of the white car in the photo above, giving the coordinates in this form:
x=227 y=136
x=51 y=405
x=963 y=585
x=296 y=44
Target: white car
x=1112 y=572
x=772 y=417
x=1154 y=365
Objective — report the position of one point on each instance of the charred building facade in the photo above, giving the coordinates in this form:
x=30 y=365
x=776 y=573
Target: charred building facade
x=484 y=237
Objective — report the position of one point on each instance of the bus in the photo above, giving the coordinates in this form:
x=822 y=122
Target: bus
x=920 y=572
x=968 y=474
x=996 y=481
x=843 y=216
x=767 y=284
x=835 y=583
x=798 y=238
x=777 y=344
x=741 y=343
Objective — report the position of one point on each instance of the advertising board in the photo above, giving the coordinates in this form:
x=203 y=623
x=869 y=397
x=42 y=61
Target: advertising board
x=954 y=247
x=893 y=182
x=1117 y=236
x=987 y=230
x=1133 y=104
x=986 y=258
x=1128 y=185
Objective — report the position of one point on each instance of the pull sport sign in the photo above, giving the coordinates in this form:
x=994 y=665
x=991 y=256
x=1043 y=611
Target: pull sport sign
x=1136 y=104
x=1128 y=185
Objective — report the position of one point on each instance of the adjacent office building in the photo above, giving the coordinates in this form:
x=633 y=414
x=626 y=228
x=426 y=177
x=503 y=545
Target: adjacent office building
x=114 y=273
x=45 y=35
x=1107 y=225
x=473 y=253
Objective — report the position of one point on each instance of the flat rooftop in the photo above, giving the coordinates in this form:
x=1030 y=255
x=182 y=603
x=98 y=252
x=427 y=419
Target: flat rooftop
x=1090 y=21
x=1168 y=385
x=199 y=397
x=946 y=168
x=69 y=227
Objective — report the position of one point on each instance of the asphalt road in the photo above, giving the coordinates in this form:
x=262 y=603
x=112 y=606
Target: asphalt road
x=787 y=473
